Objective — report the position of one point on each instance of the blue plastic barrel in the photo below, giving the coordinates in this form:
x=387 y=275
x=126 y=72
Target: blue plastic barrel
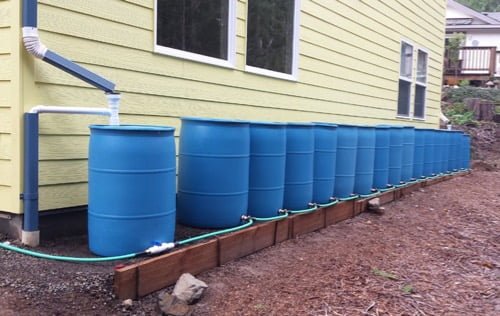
x=365 y=160
x=381 y=163
x=445 y=149
x=466 y=152
x=455 y=150
x=347 y=143
x=408 y=153
x=438 y=153
x=429 y=139
x=418 y=154
x=449 y=154
x=131 y=194
x=299 y=166
x=214 y=160
x=395 y=154
x=325 y=154
x=267 y=168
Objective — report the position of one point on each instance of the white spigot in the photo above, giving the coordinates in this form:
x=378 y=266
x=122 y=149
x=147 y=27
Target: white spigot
x=114 y=107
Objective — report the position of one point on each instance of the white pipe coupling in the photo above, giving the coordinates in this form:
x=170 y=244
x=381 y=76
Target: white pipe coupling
x=32 y=43
x=114 y=108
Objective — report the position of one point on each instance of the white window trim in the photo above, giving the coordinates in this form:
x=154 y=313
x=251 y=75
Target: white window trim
x=412 y=57
x=422 y=84
x=407 y=79
x=426 y=67
x=178 y=53
x=295 y=55
x=409 y=116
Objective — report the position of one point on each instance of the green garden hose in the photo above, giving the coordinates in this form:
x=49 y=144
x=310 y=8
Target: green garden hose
x=353 y=197
x=219 y=232
x=265 y=219
x=64 y=258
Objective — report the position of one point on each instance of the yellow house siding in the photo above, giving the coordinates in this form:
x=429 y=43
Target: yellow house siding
x=348 y=72
x=9 y=107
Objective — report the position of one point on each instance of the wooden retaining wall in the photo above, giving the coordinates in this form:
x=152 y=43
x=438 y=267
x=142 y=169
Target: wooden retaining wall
x=142 y=278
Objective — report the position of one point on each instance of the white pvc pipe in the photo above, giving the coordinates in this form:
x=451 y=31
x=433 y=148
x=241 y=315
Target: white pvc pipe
x=70 y=110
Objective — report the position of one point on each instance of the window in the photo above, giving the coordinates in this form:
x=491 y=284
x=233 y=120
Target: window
x=272 y=37
x=420 y=85
x=405 y=79
x=199 y=30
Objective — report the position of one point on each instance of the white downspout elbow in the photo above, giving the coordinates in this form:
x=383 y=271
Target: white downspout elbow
x=32 y=42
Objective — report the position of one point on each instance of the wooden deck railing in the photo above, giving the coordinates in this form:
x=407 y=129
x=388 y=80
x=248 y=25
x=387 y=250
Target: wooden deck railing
x=471 y=61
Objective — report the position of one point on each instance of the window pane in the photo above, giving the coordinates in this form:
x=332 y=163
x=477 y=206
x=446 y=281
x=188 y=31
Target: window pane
x=419 y=102
x=404 y=98
x=270 y=34
x=196 y=26
x=406 y=60
x=422 y=67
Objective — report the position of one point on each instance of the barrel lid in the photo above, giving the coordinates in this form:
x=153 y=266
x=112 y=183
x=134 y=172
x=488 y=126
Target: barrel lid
x=300 y=124
x=346 y=125
x=325 y=124
x=383 y=126
x=366 y=126
x=138 y=128
x=267 y=123
x=209 y=119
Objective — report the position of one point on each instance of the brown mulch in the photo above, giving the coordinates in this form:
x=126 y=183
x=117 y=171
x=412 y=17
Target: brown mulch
x=435 y=252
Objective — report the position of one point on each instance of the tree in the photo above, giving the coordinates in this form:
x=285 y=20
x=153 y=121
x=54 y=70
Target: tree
x=482 y=5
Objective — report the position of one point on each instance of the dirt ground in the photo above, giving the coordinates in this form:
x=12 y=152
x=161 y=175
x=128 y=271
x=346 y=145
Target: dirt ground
x=435 y=252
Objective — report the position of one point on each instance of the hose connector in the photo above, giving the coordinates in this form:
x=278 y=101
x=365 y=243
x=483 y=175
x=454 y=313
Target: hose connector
x=282 y=211
x=165 y=246
x=245 y=218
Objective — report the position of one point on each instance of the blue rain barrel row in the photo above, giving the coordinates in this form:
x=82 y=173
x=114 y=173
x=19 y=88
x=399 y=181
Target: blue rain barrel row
x=395 y=154
x=429 y=140
x=299 y=166
x=267 y=168
x=381 y=161
x=347 y=142
x=214 y=161
x=418 y=154
x=131 y=188
x=365 y=158
x=325 y=154
x=408 y=152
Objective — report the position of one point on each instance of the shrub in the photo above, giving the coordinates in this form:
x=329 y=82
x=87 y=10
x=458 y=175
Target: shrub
x=460 y=115
x=459 y=94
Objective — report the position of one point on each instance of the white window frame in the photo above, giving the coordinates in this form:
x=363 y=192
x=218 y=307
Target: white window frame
x=295 y=55
x=421 y=84
x=409 y=80
x=178 y=53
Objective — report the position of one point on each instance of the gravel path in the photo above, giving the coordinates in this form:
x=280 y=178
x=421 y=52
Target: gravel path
x=435 y=252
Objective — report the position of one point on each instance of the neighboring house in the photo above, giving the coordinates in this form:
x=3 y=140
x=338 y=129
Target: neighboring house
x=479 y=58
x=351 y=61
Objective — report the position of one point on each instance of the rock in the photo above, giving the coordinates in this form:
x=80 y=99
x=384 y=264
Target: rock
x=374 y=203
x=172 y=306
x=127 y=303
x=189 y=289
